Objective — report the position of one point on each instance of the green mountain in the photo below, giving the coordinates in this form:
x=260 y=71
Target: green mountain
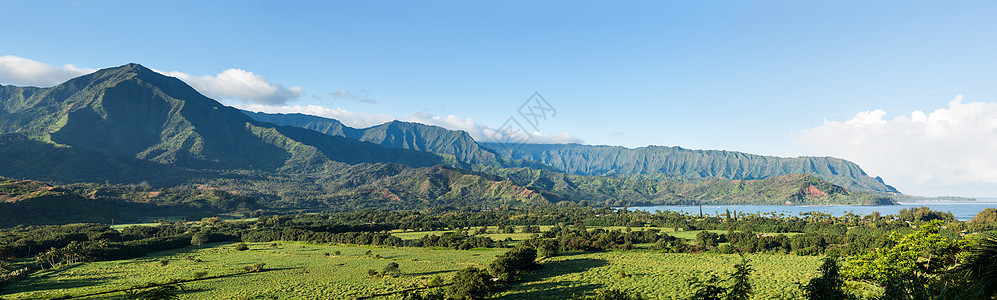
x=131 y=121
x=394 y=134
x=652 y=162
x=676 y=161
x=792 y=189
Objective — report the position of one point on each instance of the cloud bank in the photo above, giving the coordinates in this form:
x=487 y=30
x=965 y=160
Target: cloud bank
x=948 y=151
x=362 y=120
x=22 y=71
x=240 y=84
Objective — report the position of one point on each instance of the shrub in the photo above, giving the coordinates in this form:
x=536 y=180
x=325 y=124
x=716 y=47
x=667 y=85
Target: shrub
x=436 y=281
x=391 y=269
x=166 y=291
x=612 y=294
x=254 y=268
x=241 y=247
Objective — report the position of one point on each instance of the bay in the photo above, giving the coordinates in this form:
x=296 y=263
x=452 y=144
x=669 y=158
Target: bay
x=962 y=210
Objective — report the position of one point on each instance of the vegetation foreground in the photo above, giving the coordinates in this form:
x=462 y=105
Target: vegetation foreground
x=295 y=270
x=548 y=253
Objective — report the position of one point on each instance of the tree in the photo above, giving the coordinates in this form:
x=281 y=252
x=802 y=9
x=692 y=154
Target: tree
x=707 y=239
x=509 y=265
x=981 y=267
x=709 y=289
x=984 y=220
x=913 y=268
x=469 y=283
x=829 y=285
x=199 y=239
x=713 y=287
x=210 y=221
x=549 y=248
x=740 y=288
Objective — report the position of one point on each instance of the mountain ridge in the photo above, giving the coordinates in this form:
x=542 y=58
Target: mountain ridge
x=613 y=160
x=131 y=113
x=593 y=160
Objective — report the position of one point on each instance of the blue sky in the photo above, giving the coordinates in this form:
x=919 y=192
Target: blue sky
x=768 y=77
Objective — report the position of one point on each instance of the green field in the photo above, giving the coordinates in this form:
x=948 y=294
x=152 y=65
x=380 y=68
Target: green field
x=294 y=271
x=658 y=275
x=303 y=271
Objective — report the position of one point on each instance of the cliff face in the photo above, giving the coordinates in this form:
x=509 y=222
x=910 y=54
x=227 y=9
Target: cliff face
x=676 y=161
x=668 y=162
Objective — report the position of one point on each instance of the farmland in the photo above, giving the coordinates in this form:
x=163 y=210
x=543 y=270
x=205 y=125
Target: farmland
x=293 y=271
x=658 y=275
x=303 y=271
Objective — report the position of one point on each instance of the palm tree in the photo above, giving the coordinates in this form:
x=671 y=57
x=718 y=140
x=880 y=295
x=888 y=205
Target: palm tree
x=981 y=267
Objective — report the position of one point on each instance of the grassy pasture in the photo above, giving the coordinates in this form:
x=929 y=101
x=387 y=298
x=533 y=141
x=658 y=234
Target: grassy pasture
x=303 y=271
x=294 y=271
x=658 y=275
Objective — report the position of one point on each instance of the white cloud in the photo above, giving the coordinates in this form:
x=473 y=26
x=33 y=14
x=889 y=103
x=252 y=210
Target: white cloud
x=485 y=133
x=239 y=84
x=352 y=119
x=22 y=71
x=362 y=96
x=948 y=151
x=229 y=84
x=362 y=120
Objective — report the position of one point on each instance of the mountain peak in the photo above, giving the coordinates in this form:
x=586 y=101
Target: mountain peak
x=130 y=68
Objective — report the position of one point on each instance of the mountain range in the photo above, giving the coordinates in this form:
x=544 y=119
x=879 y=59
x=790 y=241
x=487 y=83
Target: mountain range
x=122 y=126
x=590 y=160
